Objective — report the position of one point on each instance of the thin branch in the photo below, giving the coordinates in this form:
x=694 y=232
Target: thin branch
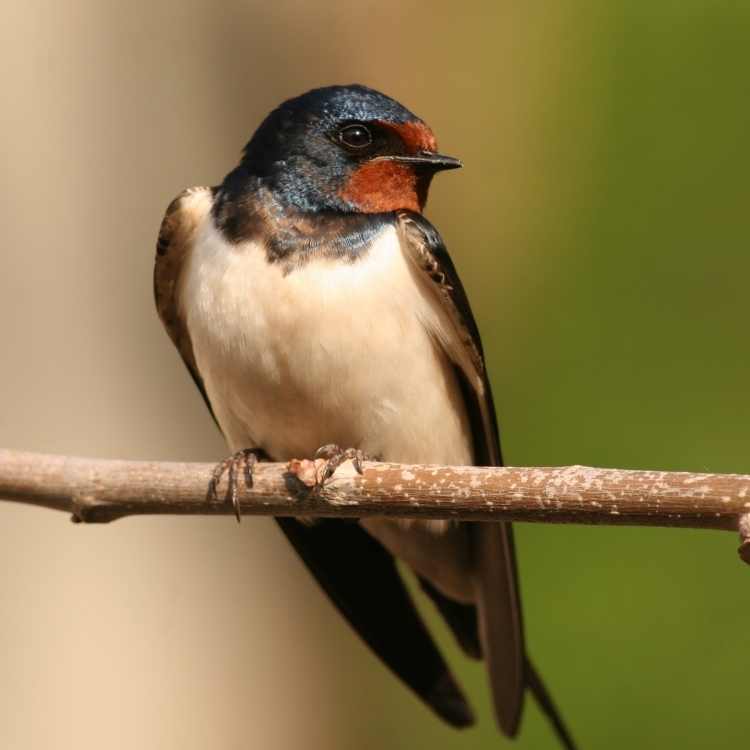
x=97 y=491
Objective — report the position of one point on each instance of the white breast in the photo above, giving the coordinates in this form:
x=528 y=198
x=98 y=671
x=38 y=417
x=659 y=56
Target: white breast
x=332 y=352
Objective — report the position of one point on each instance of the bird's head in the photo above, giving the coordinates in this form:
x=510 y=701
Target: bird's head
x=345 y=149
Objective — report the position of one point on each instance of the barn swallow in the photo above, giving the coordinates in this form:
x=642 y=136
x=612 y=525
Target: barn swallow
x=313 y=305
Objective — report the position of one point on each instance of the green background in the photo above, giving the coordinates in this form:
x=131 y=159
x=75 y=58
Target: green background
x=621 y=340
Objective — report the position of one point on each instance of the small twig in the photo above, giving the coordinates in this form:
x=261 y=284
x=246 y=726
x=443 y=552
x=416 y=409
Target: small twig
x=97 y=491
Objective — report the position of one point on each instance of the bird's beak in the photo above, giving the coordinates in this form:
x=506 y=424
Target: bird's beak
x=426 y=159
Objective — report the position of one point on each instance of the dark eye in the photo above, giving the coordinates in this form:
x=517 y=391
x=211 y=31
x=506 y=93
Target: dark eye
x=355 y=136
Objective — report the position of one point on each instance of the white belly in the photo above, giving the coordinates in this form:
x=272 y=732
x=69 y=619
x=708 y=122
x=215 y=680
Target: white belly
x=333 y=352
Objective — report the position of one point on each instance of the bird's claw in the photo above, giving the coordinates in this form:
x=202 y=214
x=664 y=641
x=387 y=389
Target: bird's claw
x=246 y=459
x=334 y=456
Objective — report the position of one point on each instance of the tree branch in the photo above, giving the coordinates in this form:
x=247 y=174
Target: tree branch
x=97 y=491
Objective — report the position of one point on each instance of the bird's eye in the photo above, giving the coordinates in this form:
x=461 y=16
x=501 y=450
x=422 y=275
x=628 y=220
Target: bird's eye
x=355 y=136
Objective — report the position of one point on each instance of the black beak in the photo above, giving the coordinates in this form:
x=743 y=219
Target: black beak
x=426 y=159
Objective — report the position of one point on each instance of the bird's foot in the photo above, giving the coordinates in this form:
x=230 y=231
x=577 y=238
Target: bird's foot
x=333 y=456
x=243 y=460
x=315 y=472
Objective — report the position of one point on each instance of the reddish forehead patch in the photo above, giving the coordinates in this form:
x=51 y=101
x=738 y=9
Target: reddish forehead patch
x=416 y=135
x=382 y=186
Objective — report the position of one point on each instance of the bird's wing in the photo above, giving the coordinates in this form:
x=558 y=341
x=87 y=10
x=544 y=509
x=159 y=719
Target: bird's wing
x=460 y=338
x=461 y=618
x=353 y=569
x=362 y=580
x=501 y=639
x=184 y=216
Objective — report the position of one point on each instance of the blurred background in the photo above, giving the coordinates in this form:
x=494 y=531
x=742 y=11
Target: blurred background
x=600 y=226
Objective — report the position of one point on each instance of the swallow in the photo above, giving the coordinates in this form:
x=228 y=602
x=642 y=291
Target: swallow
x=314 y=305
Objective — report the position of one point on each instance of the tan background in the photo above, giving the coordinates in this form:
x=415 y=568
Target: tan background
x=600 y=228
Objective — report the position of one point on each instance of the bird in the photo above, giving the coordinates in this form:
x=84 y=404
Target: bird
x=320 y=314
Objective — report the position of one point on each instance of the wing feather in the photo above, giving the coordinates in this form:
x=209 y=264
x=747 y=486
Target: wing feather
x=362 y=580
x=184 y=216
x=498 y=614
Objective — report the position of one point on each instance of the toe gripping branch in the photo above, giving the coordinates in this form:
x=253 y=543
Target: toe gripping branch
x=244 y=460
x=334 y=456
x=311 y=475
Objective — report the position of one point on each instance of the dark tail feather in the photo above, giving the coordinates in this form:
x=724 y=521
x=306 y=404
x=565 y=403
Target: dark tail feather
x=369 y=592
x=461 y=619
x=543 y=698
x=499 y=616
